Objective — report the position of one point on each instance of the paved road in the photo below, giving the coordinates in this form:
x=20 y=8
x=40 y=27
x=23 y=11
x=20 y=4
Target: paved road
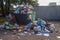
x=12 y=36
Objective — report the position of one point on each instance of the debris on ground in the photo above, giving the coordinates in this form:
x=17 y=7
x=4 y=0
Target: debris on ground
x=37 y=27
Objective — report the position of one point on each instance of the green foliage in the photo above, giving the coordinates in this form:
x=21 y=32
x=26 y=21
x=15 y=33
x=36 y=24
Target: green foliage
x=21 y=1
x=8 y=5
x=30 y=2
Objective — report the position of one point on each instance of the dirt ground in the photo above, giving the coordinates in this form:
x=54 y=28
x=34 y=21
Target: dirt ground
x=11 y=36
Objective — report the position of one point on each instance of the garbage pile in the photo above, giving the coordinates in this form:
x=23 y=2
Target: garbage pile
x=33 y=27
x=24 y=14
x=26 y=9
x=36 y=27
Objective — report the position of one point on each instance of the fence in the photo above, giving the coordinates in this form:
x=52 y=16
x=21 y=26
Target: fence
x=48 y=12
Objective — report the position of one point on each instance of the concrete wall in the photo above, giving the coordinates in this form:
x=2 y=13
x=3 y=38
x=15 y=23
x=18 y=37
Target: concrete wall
x=48 y=12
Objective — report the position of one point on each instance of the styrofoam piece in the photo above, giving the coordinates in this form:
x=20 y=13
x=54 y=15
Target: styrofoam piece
x=46 y=34
x=58 y=37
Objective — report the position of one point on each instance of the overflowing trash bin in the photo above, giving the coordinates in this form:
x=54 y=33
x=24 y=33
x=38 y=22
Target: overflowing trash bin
x=24 y=21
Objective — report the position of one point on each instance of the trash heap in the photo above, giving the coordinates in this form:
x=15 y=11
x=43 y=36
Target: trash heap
x=36 y=27
x=26 y=9
x=33 y=27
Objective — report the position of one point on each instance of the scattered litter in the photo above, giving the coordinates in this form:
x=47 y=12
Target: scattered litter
x=39 y=26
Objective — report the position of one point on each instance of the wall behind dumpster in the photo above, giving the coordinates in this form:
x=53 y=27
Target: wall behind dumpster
x=48 y=12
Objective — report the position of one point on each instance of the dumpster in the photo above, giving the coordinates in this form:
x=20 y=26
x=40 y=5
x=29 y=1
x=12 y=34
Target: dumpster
x=22 y=19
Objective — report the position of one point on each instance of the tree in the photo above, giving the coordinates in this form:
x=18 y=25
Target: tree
x=15 y=2
x=2 y=7
x=7 y=7
x=32 y=2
